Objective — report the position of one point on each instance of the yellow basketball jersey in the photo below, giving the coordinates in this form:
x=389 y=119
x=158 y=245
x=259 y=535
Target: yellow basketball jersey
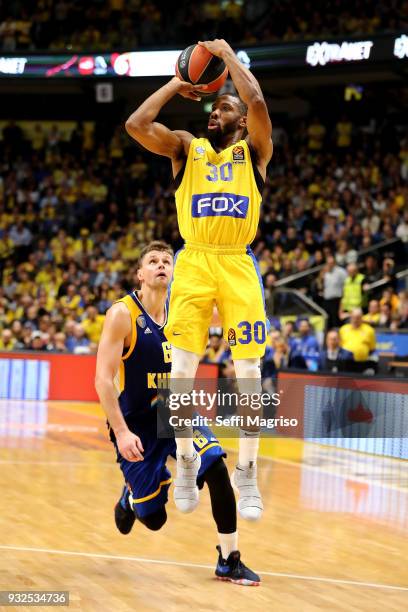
x=218 y=199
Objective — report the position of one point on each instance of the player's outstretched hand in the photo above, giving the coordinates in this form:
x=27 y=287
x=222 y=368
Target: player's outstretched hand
x=217 y=47
x=130 y=446
x=188 y=90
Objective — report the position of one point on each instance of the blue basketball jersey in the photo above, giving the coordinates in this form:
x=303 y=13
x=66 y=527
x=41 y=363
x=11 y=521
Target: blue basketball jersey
x=145 y=370
x=145 y=366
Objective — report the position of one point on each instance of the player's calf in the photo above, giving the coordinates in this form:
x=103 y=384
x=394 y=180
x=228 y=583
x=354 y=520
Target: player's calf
x=185 y=491
x=244 y=480
x=244 y=477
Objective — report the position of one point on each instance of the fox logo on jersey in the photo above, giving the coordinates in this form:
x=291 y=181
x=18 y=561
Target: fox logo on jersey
x=220 y=205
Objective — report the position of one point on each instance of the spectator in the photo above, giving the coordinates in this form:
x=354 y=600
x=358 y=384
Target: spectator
x=81 y=344
x=288 y=334
x=30 y=317
x=276 y=358
x=7 y=342
x=92 y=323
x=8 y=35
x=104 y=302
x=306 y=345
x=385 y=315
x=352 y=292
x=6 y=246
x=59 y=343
x=17 y=331
x=373 y=315
x=72 y=299
x=344 y=130
x=403 y=309
x=69 y=332
x=316 y=132
x=217 y=350
x=333 y=282
x=371 y=271
x=344 y=253
x=37 y=342
x=358 y=337
x=402 y=229
x=388 y=272
x=371 y=220
x=390 y=298
x=21 y=238
x=334 y=358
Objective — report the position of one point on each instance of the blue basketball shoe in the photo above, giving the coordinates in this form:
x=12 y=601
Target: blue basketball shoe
x=124 y=515
x=233 y=570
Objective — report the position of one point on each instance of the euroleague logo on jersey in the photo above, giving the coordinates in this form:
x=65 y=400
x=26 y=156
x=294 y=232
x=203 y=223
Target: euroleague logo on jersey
x=219 y=205
x=141 y=321
x=232 y=338
x=238 y=155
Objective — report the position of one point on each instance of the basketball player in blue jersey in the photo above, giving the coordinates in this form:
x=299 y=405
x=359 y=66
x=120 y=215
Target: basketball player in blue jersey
x=219 y=180
x=134 y=360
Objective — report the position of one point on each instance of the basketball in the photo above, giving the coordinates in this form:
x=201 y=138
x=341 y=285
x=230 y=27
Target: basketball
x=197 y=65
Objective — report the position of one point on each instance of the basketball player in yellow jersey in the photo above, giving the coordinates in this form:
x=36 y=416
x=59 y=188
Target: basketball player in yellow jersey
x=219 y=182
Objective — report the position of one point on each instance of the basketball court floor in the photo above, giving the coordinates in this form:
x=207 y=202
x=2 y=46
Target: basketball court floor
x=333 y=535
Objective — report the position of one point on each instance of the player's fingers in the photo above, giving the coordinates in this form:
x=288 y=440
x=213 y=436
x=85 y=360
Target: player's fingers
x=128 y=455
x=133 y=457
x=139 y=445
x=136 y=452
x=200 y=87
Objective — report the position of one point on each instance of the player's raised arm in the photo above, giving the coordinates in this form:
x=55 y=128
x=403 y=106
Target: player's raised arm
x=117 y=327
x=259 y=124
x=155 y=136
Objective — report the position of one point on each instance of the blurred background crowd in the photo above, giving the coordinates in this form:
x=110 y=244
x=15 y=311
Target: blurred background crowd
x=61 y=25
x=77 y=204
x=79 y=200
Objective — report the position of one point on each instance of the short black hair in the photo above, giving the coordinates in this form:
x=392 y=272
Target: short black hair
x=241 y=105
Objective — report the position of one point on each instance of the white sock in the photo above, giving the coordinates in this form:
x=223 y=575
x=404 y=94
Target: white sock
x=248 y=447
x=228 y=543
x=184 y=443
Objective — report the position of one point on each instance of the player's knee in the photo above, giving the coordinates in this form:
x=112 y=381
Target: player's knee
x=217 y=475
x=155 y=520
x=248 y=368
x=183 y=363
x=248 y=372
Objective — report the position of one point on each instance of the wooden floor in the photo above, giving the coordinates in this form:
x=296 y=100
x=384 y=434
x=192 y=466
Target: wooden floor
x=333 y=535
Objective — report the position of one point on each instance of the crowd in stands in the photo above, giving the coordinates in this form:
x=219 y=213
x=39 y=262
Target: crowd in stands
x=77 y=207
x=61 y=25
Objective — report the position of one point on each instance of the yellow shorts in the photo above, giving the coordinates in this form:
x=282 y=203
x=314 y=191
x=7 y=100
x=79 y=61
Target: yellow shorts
x=229 y=277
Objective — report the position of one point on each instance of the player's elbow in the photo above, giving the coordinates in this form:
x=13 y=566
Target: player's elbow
x=100 y=383
x=136 y=126
x=257 y=101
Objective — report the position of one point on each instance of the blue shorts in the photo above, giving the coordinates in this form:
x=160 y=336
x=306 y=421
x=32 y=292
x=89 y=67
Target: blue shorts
x=149 y=480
